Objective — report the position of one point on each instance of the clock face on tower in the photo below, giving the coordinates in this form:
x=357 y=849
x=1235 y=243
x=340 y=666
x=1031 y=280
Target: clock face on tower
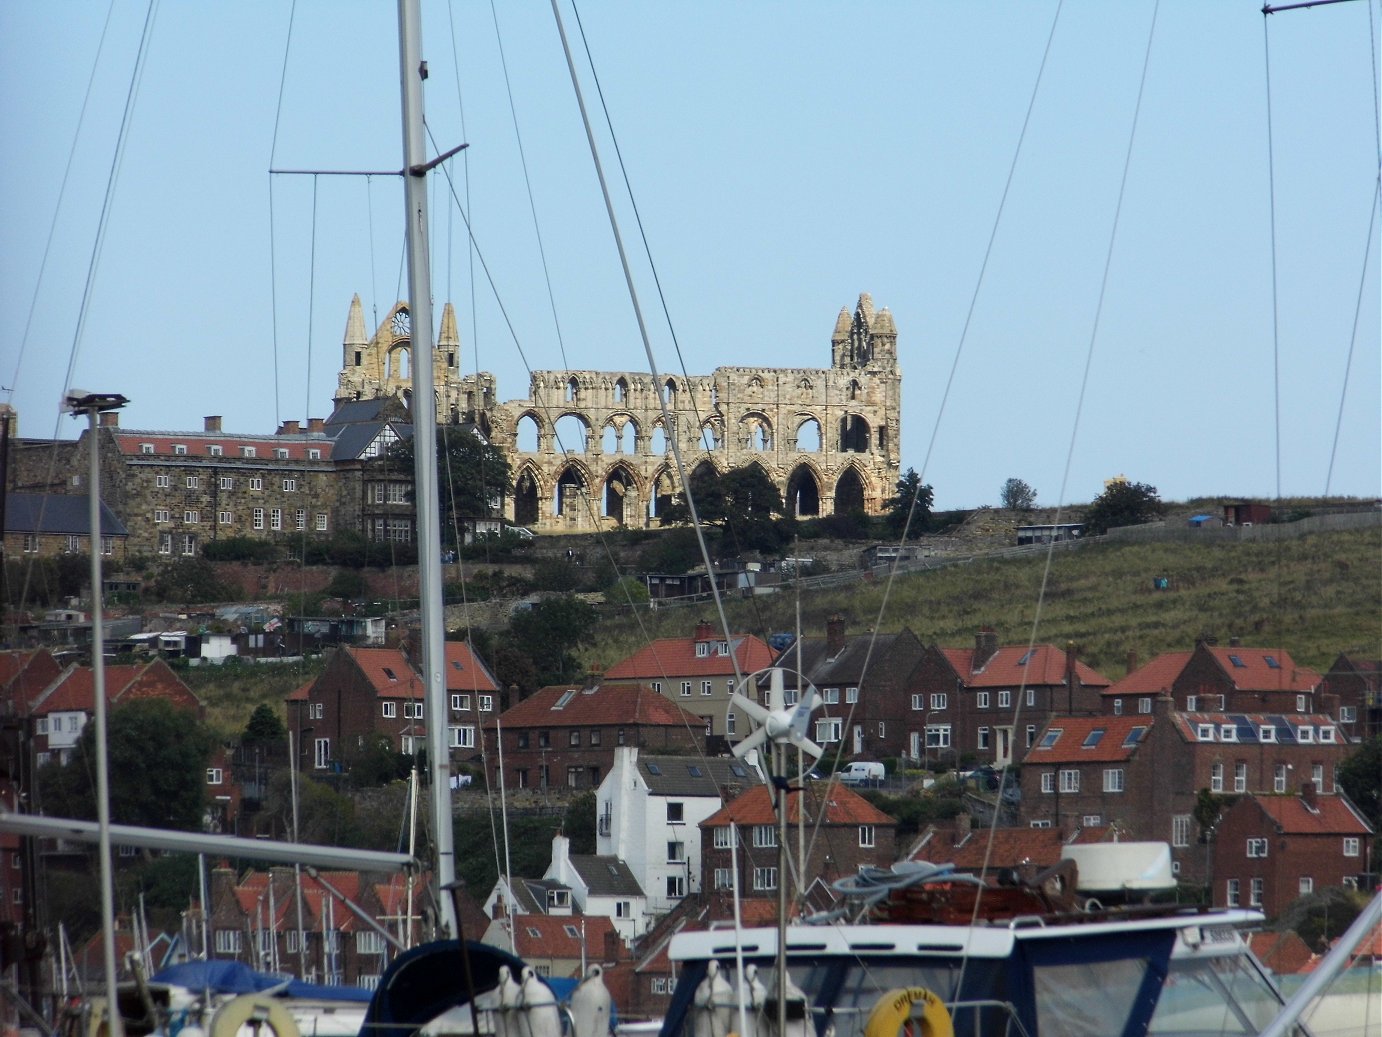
x=402 y=324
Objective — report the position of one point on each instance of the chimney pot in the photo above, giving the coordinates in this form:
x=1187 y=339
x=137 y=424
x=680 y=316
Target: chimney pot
x=211 y=423
x=704 y=631
x=1132 y=659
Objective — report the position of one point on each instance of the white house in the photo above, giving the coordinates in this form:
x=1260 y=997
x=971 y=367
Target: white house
x=649 y=812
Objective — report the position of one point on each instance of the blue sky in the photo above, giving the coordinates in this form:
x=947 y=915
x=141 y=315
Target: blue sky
x=784 y=157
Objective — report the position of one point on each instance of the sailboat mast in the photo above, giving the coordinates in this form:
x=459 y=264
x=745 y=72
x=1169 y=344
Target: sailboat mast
x=413 y=71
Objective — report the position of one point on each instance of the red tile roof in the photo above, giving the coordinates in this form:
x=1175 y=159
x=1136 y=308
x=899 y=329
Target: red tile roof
x=131 y=444
x=1257 y=674
x=1333 y=815
x=1014 y=665
x=1070 y=746
x=676 y=657
x=1010 y=848
x=466 y=671
x=844 y=807
x=564 y=705
x=302 y=692
x=75 y=690
x=1283 y=953
x=1156 y=676
x=389 y=673
x=551 y=936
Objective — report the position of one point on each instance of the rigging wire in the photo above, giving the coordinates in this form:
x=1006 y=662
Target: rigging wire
x=273 y=250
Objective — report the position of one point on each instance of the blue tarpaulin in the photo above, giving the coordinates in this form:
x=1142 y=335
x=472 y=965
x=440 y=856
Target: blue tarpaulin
x=233 y=977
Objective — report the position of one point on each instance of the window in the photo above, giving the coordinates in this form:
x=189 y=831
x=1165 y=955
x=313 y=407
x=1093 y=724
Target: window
x=225 y=518
x=938 y=701
x=390 y=710
x=1305 y=735
x=705 y=688
x=191 y=517
x=623 y=909
x=1113 y=779
x=227 y=941
x=1031 y=696
x=1051 y=737
x=1348 y=714
x=1118 y=707
x=659 y=984
x=724 y=837
x=146 y=448
x=828 y=730
x=1327 y=734
x=463 y=737
x=1231 y=893
x=163 y=481
x=1144 y=705
x=487 y=704
x=867 y=836
x=227 y=483
x=851 y=695
x=1307 y=885
x=460 y=703
x=1092 y=821
x=882 y=729
x=1228 y=733
x=1257 y=848
x=74 y=544
x=1302 y=703
x=256 y=481
x=189 y=545
x=1005 y=699
x=257 y=519
x=1094 y=737
x=1351 y=844
x=917 y=701
x=321 y=753
x=676 y=852
x=982 y=700
x=1317 y=776
x=685 y=689
x=1216 y=778
x=1240 y=777
x=413 y=710
x=1069 y=780
x=369 y=942
x=1041 y=823
x=281 y=452
x=300 y=518
x=1180 y=830
x=41 y=727
x=1204 y=732
x=1048 y=781
x=161 y=515
x=315 y=710
x=938 y=736
x=983 y=738
x=1279 y=778
x=764 y=836
x=702 y=649
x=31 y=541
x=290 y=485
x=1031 y=735
x=676 y=886
x=765 y=878
x=594 y=736
x=676 y=813
x=247 y=451
x=193 y=482
x=276 y=518
x=1255 y=893
x=730 y=722
x=1266 y=733
x=573 y=737
x=321 y=521
x=213 y=775
x=724 y=878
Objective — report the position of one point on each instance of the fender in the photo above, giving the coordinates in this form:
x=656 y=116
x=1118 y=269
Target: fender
x=897 y=1006
x=257 y=1010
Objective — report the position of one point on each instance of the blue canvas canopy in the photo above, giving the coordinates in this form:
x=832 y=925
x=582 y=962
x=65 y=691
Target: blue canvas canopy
x=233 y=977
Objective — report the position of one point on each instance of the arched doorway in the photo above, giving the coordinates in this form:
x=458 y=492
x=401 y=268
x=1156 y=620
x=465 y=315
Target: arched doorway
x=803 y=493
x=525 y=499
x=621 y=496
x=849 y=493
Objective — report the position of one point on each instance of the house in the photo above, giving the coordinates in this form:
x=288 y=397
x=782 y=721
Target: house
x=44 y=525
x=986 y=704
x=569 y=733
x=1271 y=849
x=1136 y=692
x=557 y=946
x=649 y=813
x=863 y=683
x=374 y=693
x=986 y=851
x=1167 y=763
x=60 y=712
x=1357 y=683
x=698 y=673
x=601 y=885
x=1247 y=513
x=848 y=832
x=1210 y=678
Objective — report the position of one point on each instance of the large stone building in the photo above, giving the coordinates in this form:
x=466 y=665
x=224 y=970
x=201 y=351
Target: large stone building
x=591 y=449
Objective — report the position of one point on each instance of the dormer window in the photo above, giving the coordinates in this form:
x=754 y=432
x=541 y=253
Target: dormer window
x=280 y=452
x=1266 y=733
x=1305 y=735
x=247 y=451
x=1228 y=733
x=702 y=649
x=180 y=448
x=146 y=448
x=1326 y=734
x=214 y=450
x=724 y=648
x=1205 y=732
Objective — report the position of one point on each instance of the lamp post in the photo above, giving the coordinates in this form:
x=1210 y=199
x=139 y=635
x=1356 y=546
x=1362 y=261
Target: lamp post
x=91 y=404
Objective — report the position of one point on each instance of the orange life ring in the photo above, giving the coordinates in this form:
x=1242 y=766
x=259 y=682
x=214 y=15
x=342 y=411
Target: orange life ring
x=897 y=1008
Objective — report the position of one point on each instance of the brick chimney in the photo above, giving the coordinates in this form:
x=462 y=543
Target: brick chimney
x=1307 y=796
x=835 y=634
x=288 y=428
x=985 y=647
x=1132 y=659
x=1235 y=642
x=110 y=419
x=612 y=947
x=316 y=424
x=1163 y=705
x=704 y=631
x=211 y=423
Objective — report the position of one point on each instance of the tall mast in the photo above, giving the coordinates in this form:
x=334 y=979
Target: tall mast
x=412 y=71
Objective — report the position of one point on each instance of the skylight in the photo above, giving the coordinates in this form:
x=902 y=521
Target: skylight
x=456 y=664
x=1026 y=658
x=1237 y=662
x=571 y=931
x=693 y=770
x=1135 y=735
x=534 y=933
x=389 y=674
x=566 y=696
x=1271 y=661
x=738 y=771
x=1050 y=738
x=654 y=769
x=1094 y=737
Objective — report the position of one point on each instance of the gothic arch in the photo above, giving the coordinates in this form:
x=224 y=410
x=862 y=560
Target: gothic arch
x=756 y=432
x=803 y=491
x=620 y=495
x=570 y=493
x=621 y=390
x=657 y=439
x=573 y=432
x=527 y=496
x=529 y=425
x=849 y=491
x=808 y=435
x=664 y=487
x=712 y=437
x=620 y=434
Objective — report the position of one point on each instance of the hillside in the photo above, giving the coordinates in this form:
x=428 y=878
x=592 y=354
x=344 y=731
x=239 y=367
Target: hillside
x=1314 y=596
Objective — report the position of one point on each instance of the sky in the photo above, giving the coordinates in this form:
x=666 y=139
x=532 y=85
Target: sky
x=784 y=158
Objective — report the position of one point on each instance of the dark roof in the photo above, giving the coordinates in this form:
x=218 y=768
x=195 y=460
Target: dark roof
x=693 y=775
x=825 y=670
x=349 y=441
x=606 y=876
x=351 y=411
x=57 y=513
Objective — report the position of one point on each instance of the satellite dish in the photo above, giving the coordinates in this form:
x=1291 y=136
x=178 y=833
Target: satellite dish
x=777 y=723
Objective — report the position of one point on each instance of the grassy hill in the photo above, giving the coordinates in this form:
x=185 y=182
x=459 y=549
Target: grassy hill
x=1313 y=596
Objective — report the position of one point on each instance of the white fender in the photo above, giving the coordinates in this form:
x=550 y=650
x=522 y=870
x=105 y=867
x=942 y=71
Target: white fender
x=590 y=1005
x=714 y=1004
x=539 y=1016
x=255 y=1010
x=755 y=993
x=799 y=1022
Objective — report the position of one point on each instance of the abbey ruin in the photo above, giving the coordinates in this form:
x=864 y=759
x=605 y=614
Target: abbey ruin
x=592 y=449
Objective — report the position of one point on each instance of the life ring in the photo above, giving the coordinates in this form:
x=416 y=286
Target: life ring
x=254 y=1010
x=897 y=1006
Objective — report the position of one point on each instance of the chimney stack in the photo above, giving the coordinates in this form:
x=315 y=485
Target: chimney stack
x=611 y=947
x=211 y=423
x=1235 y=642
x=316 y=424
x=1307 y=796
x=110 y=419
x=835 y=635
x=1132 y=659
x=985 y=646
x=704 y=631
x=288 y=428
x=1163 y=705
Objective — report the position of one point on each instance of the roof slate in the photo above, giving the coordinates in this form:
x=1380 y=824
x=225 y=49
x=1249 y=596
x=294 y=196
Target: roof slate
x=848 y=666
x=606 y=876
x=57 y=514
x=692 y=775
x=604 y=704
x=755 y=807
x=1070 y=747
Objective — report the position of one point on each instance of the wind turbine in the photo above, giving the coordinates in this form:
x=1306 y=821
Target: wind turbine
x=780 y=724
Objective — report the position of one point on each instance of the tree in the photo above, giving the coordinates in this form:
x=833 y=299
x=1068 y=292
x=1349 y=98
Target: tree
x=158 y=755
x=473 y=476
x=190 y=580
x=1122 y=504
x=550 y=632
x=913 y=501
x=1017 y=495
x=1360 y=776
x=266 y=729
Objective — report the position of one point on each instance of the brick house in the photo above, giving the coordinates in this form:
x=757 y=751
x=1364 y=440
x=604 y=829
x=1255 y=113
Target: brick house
x=698 y=674
x=1357 y=683
x=848 y=832
x=863 y=682
x=1237 y=680
x=558 y=945
x=367 y=693
x=987 y=703
x=568 y=734
x=1272 y=849
x=1165 y=770
x=43 y=525
x=61 y=710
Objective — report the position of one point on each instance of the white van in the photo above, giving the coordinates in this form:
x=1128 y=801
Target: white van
x=862 y=772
